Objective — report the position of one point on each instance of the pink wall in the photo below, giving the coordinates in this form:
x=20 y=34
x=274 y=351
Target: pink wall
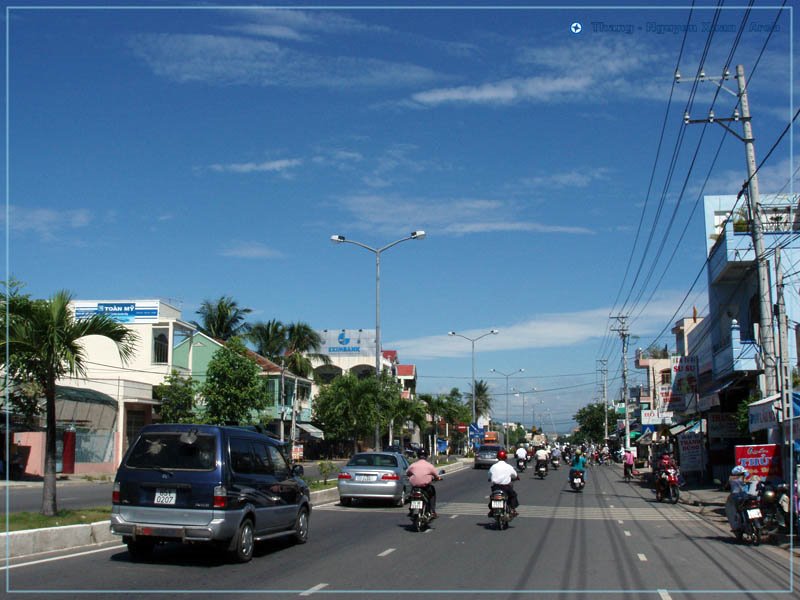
x=33 y=443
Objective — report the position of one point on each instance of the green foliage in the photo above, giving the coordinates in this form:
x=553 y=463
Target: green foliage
x=742 y=415
x=591 y=423
x=296 y=344
x=656 y=352
x=177 y=396
x=483 y=400
x=326 y=469
x=233 y=392
x=222 y=319
x=347 y=408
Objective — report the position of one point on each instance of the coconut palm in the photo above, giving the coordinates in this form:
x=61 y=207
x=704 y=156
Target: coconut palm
x=44 y=345
x=222 y=319
x=302 y=345
x=269 y=339
x=483 y=399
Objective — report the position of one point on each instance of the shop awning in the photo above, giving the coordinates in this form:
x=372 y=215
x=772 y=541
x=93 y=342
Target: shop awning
x=678 y=429
x=646 y=439
x=710 y=399
x=312 y=431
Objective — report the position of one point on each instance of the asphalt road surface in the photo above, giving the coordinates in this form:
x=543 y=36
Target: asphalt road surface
x=612 y=541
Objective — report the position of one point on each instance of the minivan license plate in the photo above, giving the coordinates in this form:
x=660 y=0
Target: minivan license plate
x=164 y=497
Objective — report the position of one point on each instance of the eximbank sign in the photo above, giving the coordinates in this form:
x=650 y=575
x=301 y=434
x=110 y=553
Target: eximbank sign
x=124 y=311
x=344 y=342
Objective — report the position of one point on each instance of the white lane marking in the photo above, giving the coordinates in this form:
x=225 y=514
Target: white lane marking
x=316 y=588
x=620 y=521
x=642 y=557
x=46 y=560
x=387 y=552
x=611 y=506
x=627 y=534
x=453 y=516
x=664 y=595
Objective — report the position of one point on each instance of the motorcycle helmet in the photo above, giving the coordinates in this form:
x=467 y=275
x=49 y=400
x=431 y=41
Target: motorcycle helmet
x=738 y=470
x=422 y=453
x=578 y=452
x=501 y=455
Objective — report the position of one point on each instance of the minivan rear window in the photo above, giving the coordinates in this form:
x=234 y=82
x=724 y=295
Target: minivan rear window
x=174 y=451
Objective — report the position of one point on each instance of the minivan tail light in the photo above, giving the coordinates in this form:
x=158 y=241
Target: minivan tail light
x=345 y=476
x=390 y=477
x=115 y=493
x=220 y=497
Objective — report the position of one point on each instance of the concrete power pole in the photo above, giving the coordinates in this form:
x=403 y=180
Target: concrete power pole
x=604 y=373
x=622 y=329
x=765 y=324
x=785 y=366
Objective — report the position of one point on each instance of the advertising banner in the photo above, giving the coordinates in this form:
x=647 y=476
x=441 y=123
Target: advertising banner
x=762 y=414
x=722 y=425
x=348 y=342
x=690 y=446
x=654 y=417
x=122 y=311
x=684 y=383
x=763 y=460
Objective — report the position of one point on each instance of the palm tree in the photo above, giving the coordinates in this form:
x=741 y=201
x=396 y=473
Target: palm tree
x=483 y=399
x=269 y=339
x=44 y=343
x=303 y=344
x=222 y=319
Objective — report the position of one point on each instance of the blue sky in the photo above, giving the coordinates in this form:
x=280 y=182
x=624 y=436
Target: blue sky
x=193 y=152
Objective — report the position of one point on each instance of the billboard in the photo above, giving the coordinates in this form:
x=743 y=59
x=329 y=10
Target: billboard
x=122 y=311
x=348 y=342
x=763 y=460
x=683 y=390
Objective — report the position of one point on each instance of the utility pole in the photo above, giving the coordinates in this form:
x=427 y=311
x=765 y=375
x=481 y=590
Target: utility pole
x=765 y=325
x=604 y=373
x=785 y=368
x=622 y=329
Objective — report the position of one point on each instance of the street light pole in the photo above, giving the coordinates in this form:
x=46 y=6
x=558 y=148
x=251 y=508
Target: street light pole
x=507 y=375
x=340 y=239
x=473 y=340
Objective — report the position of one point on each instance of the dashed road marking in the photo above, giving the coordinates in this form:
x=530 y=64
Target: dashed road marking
x=664 y=595
x=627 y=534
x=642 y=557
x=316 y=588
x=453 y=516
x=620 y=521
x=387 y=552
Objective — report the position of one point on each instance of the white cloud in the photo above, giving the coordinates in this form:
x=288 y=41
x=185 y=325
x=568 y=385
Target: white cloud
x=576 y=178
x=230 y=60
x=251 y=167
x=46 y=222
x=254 y=250
x=542 y=89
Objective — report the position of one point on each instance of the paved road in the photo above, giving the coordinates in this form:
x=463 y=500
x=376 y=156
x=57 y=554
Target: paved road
x=611 y=541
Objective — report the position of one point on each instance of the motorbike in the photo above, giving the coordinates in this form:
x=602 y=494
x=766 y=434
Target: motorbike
x=419 y=507
x=774 y=503
x=521 y=464
x=501 y=513
x=541 y=468
x=750 y=524
x=577 y=480
x=555 y=462
x=667 y=486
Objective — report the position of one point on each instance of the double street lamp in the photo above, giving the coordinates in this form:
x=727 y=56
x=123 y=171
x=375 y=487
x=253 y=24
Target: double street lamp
x=507 y=375
x=473 y=340
x=340 y=239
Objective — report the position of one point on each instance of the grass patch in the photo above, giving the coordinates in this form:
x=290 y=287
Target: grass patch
x=318 y=484
x=32 y=520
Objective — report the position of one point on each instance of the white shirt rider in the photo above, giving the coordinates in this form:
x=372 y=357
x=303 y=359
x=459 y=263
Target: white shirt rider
x=541 y=454
x=502 y=473
x=520 y=453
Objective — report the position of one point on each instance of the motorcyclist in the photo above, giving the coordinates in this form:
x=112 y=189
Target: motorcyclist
x=556 y=453
x=521 y=454
x=422 y=474
x=665 y=462
x=501 y=475
x=627 y=461
x=541 y=457
x=578 y=463
x=742 y=486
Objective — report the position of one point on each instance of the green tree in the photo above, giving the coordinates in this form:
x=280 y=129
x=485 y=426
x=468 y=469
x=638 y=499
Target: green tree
x=233 y=392
x=44 y=346
x=591 y=422
x=177 y=396
x=346 y=408
x=222 y=319
x=483 y=400
x=269 y=339
x=302 y=345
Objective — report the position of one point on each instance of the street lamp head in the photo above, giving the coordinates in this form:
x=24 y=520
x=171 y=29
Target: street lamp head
x=493 y=370
x=337 y=239
x=417 y=235
x=451 y=333
x=494 y=332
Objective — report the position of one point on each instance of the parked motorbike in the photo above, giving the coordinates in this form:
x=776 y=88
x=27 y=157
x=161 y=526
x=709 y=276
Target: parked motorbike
x=577 y=479
x=541 y=468
x=667 y=486
x=521 y=464
x=774 y=503
x=750 y=524
x=501 y=513
x=555 y=462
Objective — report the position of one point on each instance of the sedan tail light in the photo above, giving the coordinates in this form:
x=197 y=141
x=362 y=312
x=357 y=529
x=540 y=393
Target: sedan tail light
x=390 y=477
x=345 y=476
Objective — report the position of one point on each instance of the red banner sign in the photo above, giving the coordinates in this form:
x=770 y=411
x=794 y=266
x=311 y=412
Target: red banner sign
x=763 y=460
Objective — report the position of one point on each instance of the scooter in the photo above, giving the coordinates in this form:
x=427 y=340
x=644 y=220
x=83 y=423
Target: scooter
x=521 y=464
x=555 y=462
x=667 y=486
x=774 y=503
x=541 y=468
x=577 y=480
x=750 y=525
x=419 y=508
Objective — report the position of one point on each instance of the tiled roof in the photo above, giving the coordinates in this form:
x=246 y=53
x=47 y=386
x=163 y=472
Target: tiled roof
x=390 y=355
x=406 y=371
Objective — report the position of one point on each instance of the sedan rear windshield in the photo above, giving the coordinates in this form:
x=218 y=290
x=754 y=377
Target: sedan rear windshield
x=373 y=460
x=187 y=451
x=492 y=449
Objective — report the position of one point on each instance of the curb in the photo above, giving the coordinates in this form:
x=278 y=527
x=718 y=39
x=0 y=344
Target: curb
x=35 y=541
